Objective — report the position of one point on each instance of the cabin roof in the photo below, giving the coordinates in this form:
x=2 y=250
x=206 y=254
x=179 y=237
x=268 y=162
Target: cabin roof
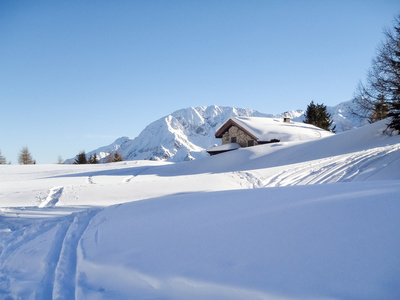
x=267 y=129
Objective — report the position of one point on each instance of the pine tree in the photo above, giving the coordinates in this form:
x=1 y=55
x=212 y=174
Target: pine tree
x=93 y=159
x=25 y=157
x=311 y=114
x=317 y=115
x=383 y=80
x=81 y=158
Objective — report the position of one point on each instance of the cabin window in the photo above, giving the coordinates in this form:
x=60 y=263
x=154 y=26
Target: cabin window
x=250 y=143
x=233 y=139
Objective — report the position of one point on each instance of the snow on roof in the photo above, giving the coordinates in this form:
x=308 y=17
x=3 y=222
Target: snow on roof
x=225 y=147
x=267 y=129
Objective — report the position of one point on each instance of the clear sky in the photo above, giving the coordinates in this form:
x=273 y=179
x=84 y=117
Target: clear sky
x=76 y=75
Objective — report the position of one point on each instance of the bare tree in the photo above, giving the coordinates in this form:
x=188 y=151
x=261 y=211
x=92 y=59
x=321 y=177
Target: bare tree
x=114 y=157
x=382 y=89
x=380 y=110
x=25 y=157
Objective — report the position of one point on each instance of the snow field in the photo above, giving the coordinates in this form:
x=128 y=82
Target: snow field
x=295 y=220
x=333 y=241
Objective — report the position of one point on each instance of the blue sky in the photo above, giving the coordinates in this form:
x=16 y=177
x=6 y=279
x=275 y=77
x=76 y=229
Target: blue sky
x=76 y=75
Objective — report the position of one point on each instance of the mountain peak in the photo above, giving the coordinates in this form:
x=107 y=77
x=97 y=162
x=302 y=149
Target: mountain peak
x=187 y=133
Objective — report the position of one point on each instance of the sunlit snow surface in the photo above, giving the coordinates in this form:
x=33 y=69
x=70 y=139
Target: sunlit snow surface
x=310 y=220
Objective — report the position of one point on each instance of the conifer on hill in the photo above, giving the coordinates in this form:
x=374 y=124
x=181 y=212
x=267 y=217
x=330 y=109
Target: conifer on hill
x=93 y=159
x=317 y=115
x=81 y=158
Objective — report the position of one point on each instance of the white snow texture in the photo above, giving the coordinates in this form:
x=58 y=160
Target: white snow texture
x=297 y=220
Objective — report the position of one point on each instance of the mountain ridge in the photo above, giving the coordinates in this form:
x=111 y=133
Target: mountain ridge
x=186 y=133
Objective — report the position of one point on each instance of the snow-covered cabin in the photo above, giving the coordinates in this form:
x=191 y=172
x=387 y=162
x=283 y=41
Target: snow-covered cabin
x=251 y=131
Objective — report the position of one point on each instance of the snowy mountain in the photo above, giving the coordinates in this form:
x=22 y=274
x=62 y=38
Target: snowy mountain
x=343 y=118
x=297 y=220
x=186 y=134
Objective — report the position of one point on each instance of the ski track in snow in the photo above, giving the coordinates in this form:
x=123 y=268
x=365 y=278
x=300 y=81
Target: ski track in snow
x=59 y=273
x=342 y=168
x=130 y=177
x=65 y=271
x=251 y=180
x=24 y=236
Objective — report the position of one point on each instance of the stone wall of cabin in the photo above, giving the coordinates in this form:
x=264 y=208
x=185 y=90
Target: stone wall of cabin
x=242 y=138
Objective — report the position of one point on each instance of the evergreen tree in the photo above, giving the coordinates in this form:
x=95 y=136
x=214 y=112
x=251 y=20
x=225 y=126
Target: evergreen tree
x=311 y=114
x=317 y=115
x=383 y=80
x=93 y=159
x=25 y=157
x=81 y=158
x=2 y=159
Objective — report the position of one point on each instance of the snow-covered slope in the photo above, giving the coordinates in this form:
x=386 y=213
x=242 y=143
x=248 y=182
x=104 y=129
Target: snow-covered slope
x=187 y=133
x=343 y=117
x=292 y=220
x=183 y=135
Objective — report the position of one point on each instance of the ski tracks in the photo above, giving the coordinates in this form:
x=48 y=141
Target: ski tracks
x=252 y=180
x=343 y=168
x=59 y=260
x=65 y=271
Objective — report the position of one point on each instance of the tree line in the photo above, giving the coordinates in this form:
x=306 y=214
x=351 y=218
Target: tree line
x=81 y=158
x=24 y=158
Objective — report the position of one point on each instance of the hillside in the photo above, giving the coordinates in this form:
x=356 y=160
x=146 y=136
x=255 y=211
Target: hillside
x=186 y=134
x=293 y=220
